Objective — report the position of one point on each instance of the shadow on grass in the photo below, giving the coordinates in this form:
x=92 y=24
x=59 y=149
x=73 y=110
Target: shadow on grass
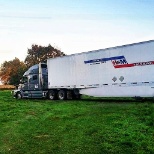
x=98 y=100
x=118 y=100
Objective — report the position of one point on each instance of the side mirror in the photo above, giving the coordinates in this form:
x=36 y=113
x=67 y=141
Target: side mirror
x=21 y=81
x=16 y=86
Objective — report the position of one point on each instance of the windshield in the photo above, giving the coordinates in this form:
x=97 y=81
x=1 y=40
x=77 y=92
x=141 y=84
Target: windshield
x=24 y=79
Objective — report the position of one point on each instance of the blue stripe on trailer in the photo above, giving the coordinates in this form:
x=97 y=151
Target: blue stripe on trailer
x=103 y=59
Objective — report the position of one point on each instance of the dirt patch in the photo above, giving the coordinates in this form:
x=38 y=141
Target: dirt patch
x=7 y=87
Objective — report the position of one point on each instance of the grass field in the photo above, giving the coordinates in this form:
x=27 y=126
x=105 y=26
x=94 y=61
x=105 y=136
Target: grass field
x=88 y=126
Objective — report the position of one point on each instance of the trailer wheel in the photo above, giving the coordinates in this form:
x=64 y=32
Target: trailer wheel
x=62 y=95
x=18 y=95
x=52 y=94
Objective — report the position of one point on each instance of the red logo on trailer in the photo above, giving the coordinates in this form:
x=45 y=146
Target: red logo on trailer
x=122 y=63
x=118 y=62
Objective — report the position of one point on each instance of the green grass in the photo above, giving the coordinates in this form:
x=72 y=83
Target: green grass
x=88 y=126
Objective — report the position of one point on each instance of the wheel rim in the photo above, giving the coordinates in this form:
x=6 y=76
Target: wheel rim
x=19 y=96
x=61 y=96
x=51 y=95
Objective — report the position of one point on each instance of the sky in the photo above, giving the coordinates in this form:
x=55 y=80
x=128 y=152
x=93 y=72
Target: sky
x=73 y=26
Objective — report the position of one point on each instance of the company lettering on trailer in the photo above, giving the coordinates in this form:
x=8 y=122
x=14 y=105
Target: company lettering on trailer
x=103 y=60
x=118 y=62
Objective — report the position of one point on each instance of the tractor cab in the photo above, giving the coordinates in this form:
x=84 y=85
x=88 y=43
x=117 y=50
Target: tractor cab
x=33 y=83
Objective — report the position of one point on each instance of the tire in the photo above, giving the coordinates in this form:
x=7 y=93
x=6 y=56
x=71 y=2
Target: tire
x=52 y=95
x=62 y=95
x=18 y=95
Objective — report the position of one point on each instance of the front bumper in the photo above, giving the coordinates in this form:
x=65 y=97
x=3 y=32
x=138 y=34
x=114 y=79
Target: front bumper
x=14 y=92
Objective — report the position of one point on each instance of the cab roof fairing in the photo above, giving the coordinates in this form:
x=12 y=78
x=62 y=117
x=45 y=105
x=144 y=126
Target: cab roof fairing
x=35 y=70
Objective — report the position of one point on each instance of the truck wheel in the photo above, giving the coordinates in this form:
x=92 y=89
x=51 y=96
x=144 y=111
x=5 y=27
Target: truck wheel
x=18 y=95
x=52 y=95
x=62 y=95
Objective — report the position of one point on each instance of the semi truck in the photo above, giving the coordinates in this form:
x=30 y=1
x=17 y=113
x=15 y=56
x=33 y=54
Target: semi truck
x=121 y=71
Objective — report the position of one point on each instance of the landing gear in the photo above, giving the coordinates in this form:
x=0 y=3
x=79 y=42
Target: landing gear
x=77 y=97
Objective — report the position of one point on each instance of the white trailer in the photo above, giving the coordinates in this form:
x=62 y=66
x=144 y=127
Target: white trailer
x=122 y=71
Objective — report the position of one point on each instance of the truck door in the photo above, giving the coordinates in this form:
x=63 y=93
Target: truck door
x=33 y=82
x=34 y=87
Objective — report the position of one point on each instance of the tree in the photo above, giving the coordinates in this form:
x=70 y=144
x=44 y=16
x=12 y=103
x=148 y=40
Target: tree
x=12 y=71
x=39 y=54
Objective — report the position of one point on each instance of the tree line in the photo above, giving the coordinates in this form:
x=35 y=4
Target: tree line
x=12 y=71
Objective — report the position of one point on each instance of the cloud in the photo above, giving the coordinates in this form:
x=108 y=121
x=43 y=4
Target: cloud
x=5 y=51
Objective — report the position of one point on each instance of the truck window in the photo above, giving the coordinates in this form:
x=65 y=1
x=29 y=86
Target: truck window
x=43 y=65
x=35 y=77
x=24 y=80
